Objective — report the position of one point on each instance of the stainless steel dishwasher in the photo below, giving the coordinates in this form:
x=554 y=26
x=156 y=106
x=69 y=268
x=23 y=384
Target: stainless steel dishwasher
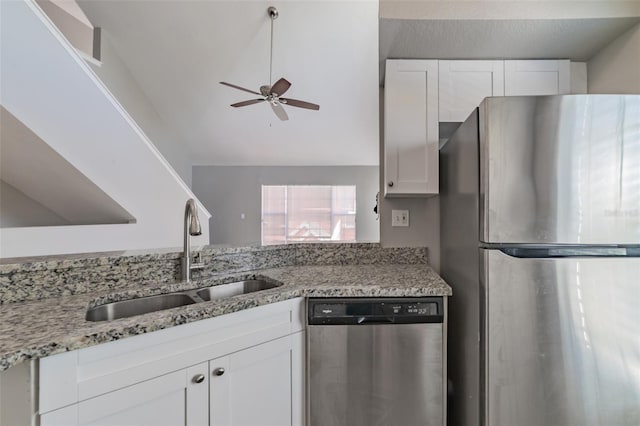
x=376 y=362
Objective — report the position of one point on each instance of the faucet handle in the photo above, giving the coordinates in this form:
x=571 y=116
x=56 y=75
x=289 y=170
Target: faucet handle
x=197 y=261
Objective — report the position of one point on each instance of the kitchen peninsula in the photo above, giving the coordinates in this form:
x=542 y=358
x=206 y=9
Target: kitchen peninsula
x=44 y=302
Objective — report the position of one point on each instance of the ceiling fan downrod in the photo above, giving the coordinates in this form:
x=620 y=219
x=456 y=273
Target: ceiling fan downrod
x=273 y=14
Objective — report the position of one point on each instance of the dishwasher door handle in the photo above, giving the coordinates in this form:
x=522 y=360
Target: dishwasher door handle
x=369 y=320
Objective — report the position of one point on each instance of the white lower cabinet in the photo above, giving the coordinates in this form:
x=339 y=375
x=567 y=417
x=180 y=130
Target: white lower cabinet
x=258 y=386
x=178 y=398
x=248 y=370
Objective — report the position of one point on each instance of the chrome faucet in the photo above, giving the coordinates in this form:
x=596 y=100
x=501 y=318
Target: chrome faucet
x=191 y=227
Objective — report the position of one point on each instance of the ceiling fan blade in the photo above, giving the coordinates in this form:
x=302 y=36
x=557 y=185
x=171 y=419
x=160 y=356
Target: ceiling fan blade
x=240 y=88
x=249 y=102
x=279 y=110
x=299 y=104
x=280 y=87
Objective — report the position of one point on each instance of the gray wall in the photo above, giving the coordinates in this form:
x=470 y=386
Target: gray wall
x=616 y=68
x=230 y=191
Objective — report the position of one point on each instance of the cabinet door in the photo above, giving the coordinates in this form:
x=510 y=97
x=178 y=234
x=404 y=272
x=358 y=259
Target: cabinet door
x=464 y=84
x=411 y=127
x=169 y=400
x=531 y=78
x=259 y=386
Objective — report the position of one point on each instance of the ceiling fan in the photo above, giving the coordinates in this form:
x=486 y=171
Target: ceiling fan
x=273 y=93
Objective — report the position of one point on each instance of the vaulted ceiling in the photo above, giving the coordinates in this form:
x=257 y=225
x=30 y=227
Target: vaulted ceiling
x=179 y=51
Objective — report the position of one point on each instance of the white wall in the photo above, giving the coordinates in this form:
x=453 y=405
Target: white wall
x=616 y=68
x=229 y=191
x=17 y=210
x=116 y=76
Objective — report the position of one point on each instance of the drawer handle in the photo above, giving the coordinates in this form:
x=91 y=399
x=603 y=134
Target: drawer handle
x=218 y=371
x=390 y=183
x=199 y=378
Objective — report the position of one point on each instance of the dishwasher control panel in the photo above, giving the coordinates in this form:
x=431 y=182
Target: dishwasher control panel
x=357 y=311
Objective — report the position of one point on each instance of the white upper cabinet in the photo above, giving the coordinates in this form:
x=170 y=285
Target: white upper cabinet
x=464 y=84
x=411 y=128
x=420 y=93
x=531 y=78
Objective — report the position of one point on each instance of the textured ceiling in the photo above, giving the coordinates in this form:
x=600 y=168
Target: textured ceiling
x=179 y=50
x=575 y=39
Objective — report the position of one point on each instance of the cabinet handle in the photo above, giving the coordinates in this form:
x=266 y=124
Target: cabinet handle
x=390 y=183
x=198 y=378
x=218 y=371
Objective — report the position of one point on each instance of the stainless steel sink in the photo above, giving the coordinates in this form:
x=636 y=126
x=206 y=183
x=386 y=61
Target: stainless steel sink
x=234 y=289
x=144 y=305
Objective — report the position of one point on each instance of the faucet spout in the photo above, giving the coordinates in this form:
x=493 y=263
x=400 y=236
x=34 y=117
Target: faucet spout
x=194 y=224
x=191 y=227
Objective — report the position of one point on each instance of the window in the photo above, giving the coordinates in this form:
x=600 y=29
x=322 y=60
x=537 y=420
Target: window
x=295 y=213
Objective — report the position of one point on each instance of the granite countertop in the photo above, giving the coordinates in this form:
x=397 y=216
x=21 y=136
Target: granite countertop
x=36 y=329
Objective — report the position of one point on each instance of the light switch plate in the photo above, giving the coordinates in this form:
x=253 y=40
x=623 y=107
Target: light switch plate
x=399 y=217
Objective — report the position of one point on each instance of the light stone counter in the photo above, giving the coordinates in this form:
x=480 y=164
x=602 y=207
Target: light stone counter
x=38 y=328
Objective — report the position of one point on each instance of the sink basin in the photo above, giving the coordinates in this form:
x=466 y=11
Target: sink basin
x=143 y=305
x=234 y=289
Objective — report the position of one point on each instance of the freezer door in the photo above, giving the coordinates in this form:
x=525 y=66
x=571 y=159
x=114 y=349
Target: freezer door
x=561 y=341
x=560 y=169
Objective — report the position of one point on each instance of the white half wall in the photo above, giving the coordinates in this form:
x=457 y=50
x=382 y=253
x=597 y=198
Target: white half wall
x=616 y=68
x=229 y=191
x=32 y=167
x=48 y=87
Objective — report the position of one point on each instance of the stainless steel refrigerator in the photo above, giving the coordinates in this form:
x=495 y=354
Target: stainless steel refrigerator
x=540 y=241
